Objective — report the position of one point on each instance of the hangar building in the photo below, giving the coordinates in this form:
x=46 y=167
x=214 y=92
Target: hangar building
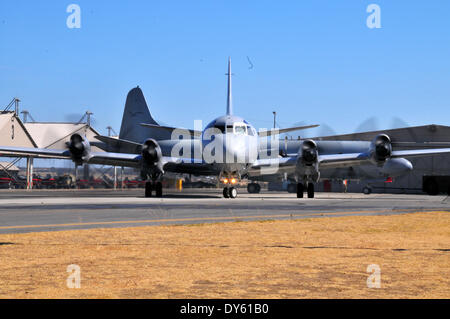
x=51 y=135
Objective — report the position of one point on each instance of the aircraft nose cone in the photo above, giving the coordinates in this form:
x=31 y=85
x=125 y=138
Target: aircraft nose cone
x=235 y=150
x=235 y=154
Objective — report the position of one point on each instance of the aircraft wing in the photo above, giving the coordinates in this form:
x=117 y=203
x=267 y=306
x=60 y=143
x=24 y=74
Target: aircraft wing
x=106 y=158
x=417 y=153
x=170 y=129
x=35 y=152
x=421 y=144
x=270 y=166
x=288 y=163
x=345 y=160
x=115 y=159
x=102 y=158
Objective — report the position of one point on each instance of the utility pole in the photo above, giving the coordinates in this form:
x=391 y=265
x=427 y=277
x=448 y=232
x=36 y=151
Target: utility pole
x=16 y=106
x=88 y=117
x=27 y=115
x=111 y=130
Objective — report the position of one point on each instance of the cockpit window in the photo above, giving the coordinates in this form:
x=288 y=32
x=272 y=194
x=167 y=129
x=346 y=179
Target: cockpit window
x=229 y=128
x=240 y=129
x=249 y=130
x=221 y=128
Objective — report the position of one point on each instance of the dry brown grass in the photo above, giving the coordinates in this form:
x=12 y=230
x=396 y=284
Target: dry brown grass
x=313 y=258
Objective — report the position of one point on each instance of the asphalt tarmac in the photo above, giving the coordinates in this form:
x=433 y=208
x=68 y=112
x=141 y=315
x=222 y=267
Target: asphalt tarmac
x=52 y=210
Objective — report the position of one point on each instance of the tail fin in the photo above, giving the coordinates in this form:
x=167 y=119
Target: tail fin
x=136 y=112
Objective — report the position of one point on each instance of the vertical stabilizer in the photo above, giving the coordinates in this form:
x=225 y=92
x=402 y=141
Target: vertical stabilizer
x=229 y=100
x=136 y=112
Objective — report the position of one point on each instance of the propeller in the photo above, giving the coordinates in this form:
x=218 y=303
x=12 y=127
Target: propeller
x=76 y=144
x=383 y=147
x=370 y=124
x=309 y=152
x=149 y=151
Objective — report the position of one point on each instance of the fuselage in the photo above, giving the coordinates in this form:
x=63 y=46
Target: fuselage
x=227 y=147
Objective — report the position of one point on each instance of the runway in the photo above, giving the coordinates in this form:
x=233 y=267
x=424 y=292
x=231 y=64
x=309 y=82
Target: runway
x=53 y=210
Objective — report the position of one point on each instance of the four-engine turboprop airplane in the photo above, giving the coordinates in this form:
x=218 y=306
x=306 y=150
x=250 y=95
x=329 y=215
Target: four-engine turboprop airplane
x=229 y=147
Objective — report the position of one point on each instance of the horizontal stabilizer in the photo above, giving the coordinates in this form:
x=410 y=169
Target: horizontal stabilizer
x=118 y=145
x=171 y=129
x=285 y=130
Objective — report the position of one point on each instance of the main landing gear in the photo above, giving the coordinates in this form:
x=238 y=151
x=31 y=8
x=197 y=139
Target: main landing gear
x=309 y=190
x=153 y=186
x=253 y=188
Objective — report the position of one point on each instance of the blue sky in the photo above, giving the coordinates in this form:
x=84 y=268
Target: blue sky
x=314 y=61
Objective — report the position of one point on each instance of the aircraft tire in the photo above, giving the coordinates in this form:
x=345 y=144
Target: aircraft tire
x=310 y=190
x=367 y=190
x=251 y=188
x=148 y=189
x=299 y=190
x=158 y=189
x=232 y=192
x=226 y=192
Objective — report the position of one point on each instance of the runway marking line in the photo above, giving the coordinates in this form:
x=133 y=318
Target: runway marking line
x=206 y=219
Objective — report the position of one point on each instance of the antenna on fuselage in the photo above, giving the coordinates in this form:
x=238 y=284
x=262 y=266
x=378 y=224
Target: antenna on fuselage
x=229 y=101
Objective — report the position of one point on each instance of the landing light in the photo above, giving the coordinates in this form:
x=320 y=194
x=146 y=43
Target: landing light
x=233 y=181
x=225 y=181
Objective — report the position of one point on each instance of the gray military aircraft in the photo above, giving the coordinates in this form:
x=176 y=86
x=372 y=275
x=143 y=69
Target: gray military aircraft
x=229 y=147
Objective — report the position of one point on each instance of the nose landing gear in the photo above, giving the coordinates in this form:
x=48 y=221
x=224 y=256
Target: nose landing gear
x=226 y=193
x=229 y=192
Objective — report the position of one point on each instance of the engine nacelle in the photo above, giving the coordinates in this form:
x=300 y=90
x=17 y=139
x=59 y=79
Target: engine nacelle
x=381 y=149
x=394 y=167
x=151 y=158
x=307 y=167
x=79 y=149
